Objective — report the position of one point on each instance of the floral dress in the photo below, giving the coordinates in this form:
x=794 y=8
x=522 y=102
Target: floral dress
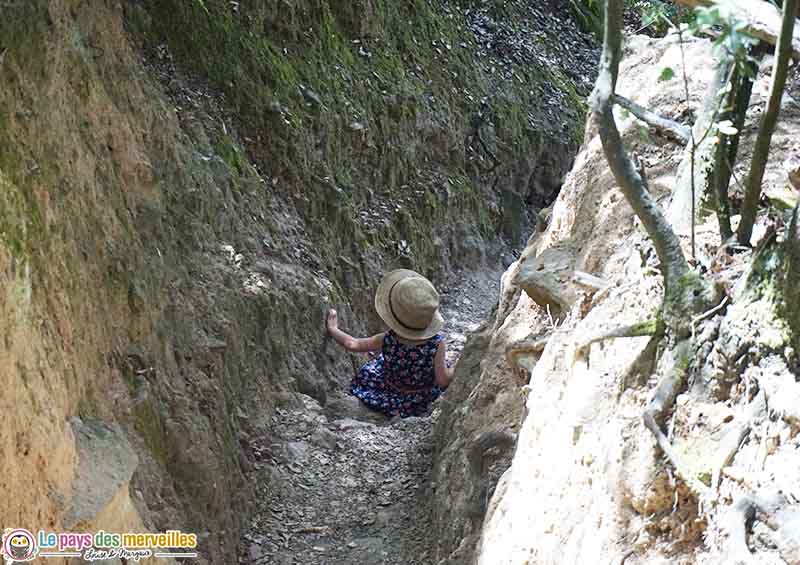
x=401 y=379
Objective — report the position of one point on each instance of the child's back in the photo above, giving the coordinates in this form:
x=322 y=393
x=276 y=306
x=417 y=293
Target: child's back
x=401 y=379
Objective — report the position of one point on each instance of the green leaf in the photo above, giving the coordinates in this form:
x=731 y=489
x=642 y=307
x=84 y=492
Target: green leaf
x=644 y=133
x=726 y=127
x=666 y=74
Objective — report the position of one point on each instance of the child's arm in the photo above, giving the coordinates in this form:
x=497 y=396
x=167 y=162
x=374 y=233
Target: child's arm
x=350 y=343
x=443 y=374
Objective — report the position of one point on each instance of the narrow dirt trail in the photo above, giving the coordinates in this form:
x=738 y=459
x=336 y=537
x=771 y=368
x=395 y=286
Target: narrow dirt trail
x=343 y=485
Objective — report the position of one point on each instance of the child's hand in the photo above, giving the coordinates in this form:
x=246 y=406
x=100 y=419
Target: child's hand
x=332 y=321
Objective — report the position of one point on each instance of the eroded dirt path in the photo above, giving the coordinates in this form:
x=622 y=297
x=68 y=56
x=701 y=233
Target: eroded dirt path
x=342 y=485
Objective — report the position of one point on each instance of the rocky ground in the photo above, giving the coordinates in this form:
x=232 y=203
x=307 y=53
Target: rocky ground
x=341 y=484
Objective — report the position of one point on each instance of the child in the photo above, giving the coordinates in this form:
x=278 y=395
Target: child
x=411 y=370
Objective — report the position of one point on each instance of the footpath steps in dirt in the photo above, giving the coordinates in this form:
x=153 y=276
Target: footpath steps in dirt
x=342 y=485
x=337 y=489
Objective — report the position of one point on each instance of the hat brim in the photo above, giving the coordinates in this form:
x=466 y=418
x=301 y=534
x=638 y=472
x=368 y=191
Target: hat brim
x=384 y=309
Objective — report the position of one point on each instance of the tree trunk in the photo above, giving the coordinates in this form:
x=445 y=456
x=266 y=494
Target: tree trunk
x=767 y=125
x=791 y=275
x=697 y=167
x=673 y=262
x=735 y=110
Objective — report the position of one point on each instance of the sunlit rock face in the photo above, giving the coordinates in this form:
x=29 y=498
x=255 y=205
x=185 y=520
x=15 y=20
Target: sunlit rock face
x=584 y=481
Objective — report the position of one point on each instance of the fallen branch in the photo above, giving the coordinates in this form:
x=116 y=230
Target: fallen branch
x=761 y=19
x=669 y=128
x=707 y=314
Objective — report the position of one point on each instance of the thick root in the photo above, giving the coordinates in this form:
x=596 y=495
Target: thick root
x=656 y=412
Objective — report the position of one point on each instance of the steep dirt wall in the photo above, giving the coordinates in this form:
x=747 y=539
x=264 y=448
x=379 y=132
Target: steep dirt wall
x=186 y=186
x=543 y=454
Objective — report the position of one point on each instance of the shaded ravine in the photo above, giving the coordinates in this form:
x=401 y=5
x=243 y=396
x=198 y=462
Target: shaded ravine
x=342 y=485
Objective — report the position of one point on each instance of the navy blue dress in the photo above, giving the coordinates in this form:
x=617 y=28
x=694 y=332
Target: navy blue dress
x=400 y=380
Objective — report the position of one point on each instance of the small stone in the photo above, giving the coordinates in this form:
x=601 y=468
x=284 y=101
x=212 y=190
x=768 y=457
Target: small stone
x=311 y=96
x=296 y=450
x=255 y=551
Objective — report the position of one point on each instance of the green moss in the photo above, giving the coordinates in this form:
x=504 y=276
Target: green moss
x=87 y=408
x=13 y=219
x=682 y=363
x=763 y=278
x=299 y=73
x=23 y=43
x=589 y=14
x=652 y=326
x=231 y=154
x=147 y=423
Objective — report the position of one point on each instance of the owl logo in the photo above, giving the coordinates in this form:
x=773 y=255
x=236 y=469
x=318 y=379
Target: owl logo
x=18 y=545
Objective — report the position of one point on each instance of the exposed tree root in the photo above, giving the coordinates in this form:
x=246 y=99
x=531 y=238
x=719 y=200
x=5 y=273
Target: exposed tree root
x=694 y=178
x=738 y=520
x=733 y=439
x=663 y=399
x=589 y=281
x=653 y=327
x=668 y=128
x=643 y=365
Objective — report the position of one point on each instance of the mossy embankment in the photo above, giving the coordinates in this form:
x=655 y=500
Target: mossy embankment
x=369 y=109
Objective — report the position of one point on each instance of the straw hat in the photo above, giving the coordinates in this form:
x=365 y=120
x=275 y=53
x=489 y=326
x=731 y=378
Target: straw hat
x=409 y=304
